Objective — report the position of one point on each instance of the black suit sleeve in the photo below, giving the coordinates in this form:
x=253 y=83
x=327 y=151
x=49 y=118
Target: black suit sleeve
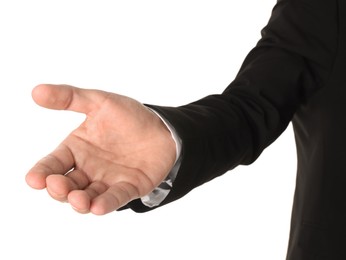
x=292 y=61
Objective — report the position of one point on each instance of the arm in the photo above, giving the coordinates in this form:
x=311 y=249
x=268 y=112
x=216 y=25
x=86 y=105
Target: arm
x=122 y=150
x=291 y=62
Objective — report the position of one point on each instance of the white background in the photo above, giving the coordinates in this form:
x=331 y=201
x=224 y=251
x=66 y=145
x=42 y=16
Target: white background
x=159 y=52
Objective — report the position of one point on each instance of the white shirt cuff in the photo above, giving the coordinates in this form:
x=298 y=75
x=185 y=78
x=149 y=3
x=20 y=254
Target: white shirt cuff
x=160 y=193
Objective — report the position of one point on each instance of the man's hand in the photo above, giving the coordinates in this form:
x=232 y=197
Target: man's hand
x=121 y=152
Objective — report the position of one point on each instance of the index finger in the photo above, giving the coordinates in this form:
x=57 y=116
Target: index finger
x=60 y=161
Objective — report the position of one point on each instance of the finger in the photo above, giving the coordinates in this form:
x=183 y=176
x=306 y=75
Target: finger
x=113 y=198
x=59 y=186
x=65 y=97
x=80 y=200
x=60 y=161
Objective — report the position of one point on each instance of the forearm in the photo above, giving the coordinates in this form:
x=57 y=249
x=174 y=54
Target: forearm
x=222 y=131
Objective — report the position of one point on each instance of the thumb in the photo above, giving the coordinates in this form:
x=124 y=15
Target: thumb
x=65 y=97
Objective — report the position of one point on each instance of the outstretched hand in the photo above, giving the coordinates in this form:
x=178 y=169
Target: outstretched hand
x=121 y=152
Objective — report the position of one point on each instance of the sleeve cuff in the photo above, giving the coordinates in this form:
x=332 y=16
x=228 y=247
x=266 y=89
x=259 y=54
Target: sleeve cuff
x=160 y=193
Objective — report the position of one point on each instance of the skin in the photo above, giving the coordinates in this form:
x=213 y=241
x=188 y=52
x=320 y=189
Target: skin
x=121 y=152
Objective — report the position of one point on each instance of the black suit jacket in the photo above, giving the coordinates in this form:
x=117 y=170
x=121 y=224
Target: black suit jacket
x=296 y=72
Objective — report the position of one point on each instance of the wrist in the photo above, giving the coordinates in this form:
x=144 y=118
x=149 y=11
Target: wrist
x=174 y=135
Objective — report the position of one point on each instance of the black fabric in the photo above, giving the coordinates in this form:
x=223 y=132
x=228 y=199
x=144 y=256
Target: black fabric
x=295 y=73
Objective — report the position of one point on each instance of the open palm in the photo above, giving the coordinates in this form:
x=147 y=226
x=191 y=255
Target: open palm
x=121 y=152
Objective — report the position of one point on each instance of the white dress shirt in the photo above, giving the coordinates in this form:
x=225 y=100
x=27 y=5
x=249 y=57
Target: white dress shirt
x=160 y=192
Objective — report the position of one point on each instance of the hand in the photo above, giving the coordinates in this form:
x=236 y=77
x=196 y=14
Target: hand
x=121 y=152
